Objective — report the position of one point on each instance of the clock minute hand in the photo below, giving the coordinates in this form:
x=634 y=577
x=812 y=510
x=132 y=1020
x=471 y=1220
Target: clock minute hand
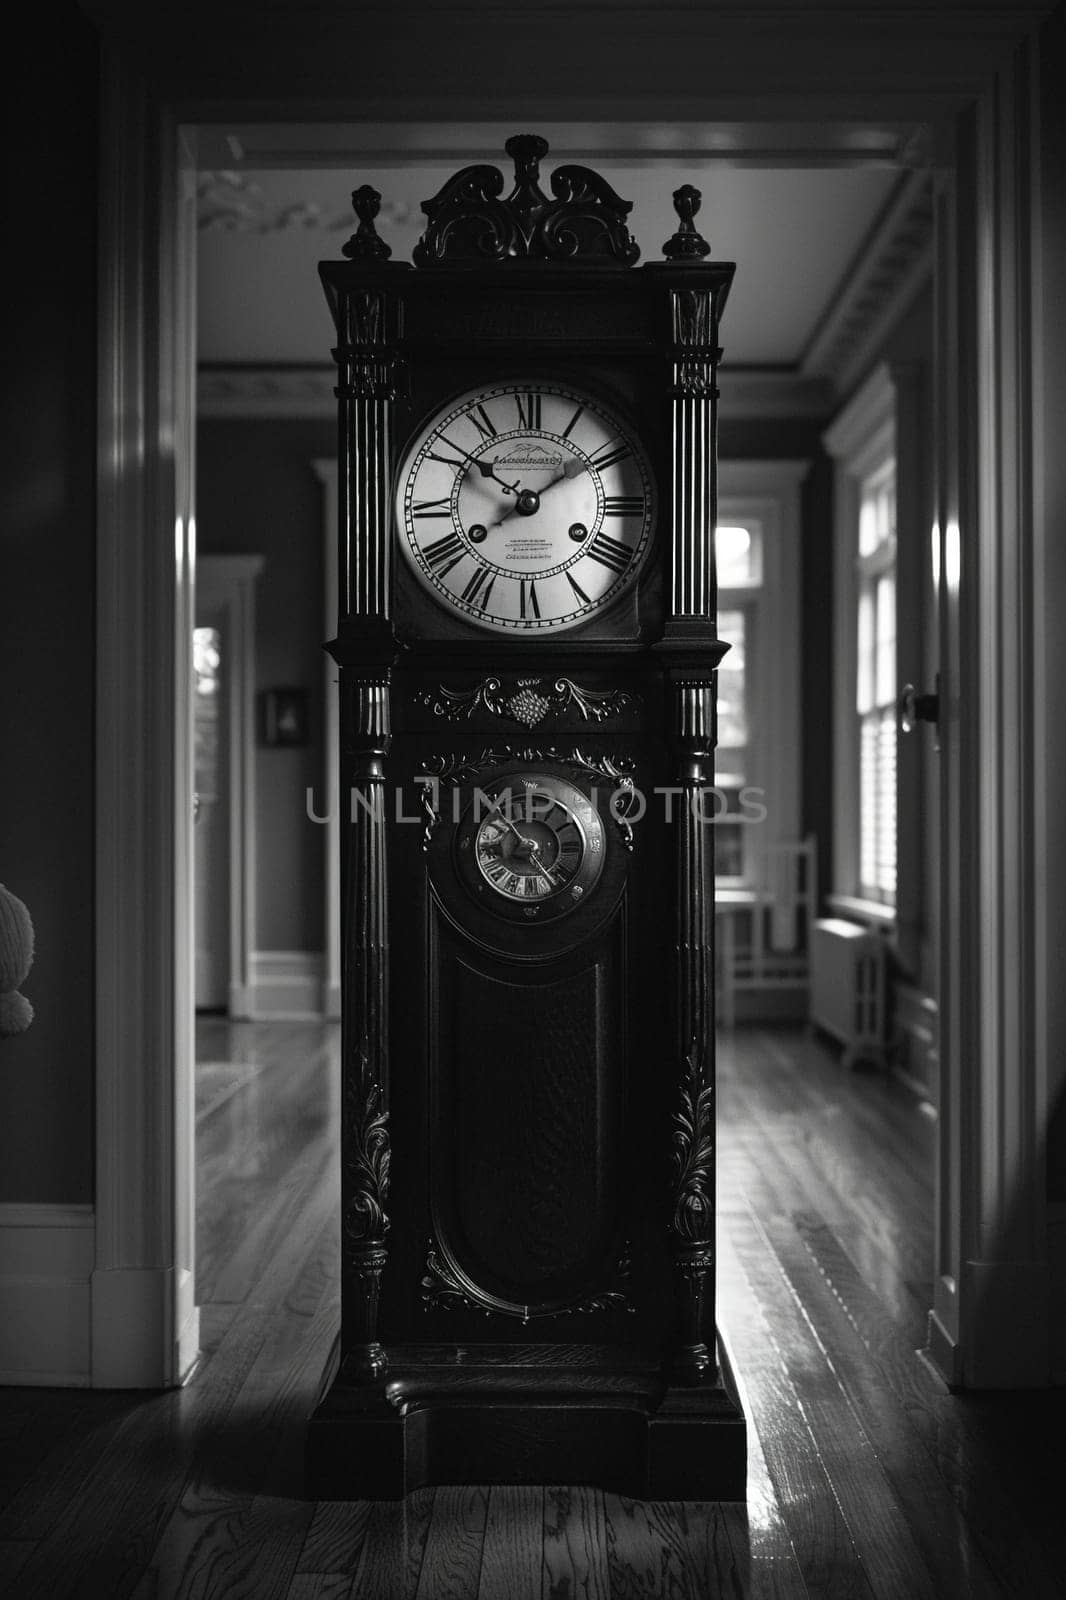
x=542 y=866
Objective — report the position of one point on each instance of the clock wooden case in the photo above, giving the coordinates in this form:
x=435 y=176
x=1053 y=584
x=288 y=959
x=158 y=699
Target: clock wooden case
x=527 y=651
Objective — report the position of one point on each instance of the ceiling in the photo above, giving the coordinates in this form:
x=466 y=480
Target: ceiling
x=802 y=212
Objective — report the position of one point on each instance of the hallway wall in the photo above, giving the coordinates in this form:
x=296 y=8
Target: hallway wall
x=47 y=583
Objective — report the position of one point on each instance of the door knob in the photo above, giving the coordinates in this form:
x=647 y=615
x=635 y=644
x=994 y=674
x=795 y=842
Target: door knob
x=914 y=708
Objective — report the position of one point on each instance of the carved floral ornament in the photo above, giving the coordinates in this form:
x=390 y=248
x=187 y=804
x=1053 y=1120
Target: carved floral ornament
x=366 y=1158
x=529 y=702
x=694 y=1151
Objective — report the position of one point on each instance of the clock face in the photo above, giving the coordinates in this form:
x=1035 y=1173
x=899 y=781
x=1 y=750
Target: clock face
x=525 y=507
x=531 y=848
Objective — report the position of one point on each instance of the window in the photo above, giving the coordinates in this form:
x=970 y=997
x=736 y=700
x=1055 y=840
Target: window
x=875 y=686
x=738 y=551
x=757 y=549
x=863 y=441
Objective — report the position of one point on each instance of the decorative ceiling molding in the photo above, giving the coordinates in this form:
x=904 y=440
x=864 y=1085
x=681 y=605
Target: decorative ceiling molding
x=755 y=393
x=892 y=267
x=234 y=202
x=292 y=392
x=303 y=392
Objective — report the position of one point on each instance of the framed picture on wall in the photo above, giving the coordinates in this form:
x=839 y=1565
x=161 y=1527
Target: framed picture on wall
x=283 y=717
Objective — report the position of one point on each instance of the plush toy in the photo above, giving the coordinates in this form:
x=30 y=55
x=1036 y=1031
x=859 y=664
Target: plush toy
x=16 y=959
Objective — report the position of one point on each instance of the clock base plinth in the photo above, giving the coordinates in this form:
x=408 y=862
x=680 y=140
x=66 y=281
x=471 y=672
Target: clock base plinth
x=610 y=1423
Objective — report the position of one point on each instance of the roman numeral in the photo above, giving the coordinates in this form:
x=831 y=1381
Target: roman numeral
x=425 y=508
x=582 y=596
x=528 y=405
x=608 y=454
x=444 y=554
x=623 y=505
x=527 y=600
x=473 y=593
x=572 y=424
x=482 y=422
x=610 y=552
x=448 y=461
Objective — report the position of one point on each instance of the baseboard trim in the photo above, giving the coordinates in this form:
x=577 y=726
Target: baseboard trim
x=46 y=1264
x=1008 y=1346
x=286 y=986
x=134 y=1310
x=941 y=1354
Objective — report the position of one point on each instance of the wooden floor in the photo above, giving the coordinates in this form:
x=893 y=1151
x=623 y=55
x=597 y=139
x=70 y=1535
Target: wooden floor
x=867 y=1478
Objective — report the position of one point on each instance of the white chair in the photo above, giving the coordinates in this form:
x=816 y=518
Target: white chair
x=764 y=933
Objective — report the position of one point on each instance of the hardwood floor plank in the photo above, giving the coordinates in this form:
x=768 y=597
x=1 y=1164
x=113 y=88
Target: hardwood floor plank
x=878 y=1526
x=993 y=1501
x=391 y=1561
x=255 y=1463
x=763 y=1555
x=824 y=1549
x=663 y=1549
x=14 y=1554
x=938 y=1527
x=244 y=1552
x=335 y=1538
x=451 y=1564
x=575 y=1545
x=320 y=1586
x=513 y=1555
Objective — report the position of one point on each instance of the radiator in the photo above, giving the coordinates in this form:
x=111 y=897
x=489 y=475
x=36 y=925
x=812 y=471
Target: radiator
x=848 y=988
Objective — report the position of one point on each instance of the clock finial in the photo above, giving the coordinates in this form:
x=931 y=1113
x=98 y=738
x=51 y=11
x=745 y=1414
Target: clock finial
x=687 y=244
x=365 y=243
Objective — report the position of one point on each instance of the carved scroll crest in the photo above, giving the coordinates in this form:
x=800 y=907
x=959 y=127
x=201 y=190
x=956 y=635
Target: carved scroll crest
x=469 y=222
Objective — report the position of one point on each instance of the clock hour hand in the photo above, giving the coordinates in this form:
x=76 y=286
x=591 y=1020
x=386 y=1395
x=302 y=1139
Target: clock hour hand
x=487 y=469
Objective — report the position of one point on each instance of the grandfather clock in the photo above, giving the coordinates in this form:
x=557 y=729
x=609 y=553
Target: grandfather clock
x=527 y=651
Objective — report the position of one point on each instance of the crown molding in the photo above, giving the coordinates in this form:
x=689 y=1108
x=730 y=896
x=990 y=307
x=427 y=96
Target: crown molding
x=894 y=264
x=753 y=393
x=230 y=393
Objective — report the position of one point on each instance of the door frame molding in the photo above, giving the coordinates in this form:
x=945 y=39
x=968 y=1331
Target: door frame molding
x=144 y=1319
x=990 y=1325
x=990 y=1195
x=326 y=473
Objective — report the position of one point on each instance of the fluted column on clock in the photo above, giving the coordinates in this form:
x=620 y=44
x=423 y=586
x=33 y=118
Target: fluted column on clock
x=368 y=326
x=692 y=1223
x=364 y=1031
x=693 y=589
